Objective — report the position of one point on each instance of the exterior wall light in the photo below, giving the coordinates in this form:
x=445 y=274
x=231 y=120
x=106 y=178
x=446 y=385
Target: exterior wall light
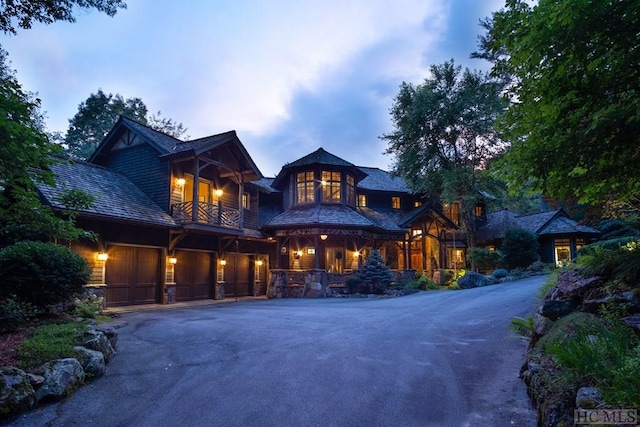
x=173 y=260
x=103 y=256
x=180 y=182
x=356 y=254
x=323 y=237
x=259 y=262
x=218 y=192
x=223 y=262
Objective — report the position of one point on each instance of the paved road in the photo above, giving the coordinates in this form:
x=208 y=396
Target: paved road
x=430 y=359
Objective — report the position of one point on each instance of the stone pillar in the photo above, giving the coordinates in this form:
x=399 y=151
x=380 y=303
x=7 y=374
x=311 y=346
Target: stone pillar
x=169 y=293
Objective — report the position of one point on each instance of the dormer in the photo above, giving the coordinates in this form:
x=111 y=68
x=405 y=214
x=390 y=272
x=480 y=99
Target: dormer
x=319 y=178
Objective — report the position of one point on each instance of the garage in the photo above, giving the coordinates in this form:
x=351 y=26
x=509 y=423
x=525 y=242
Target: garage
x=237 y=275
x=133 y=275
x=193 y=275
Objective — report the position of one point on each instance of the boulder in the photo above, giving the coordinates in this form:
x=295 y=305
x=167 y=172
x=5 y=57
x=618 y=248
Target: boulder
x=111 y=334
x=556 y=308
x=473 y=280
x=633 y=322
x=98 y=341
x=61 y=378
x=572 y=284
x=588 y=398
x=92 y=362
x=16 y=392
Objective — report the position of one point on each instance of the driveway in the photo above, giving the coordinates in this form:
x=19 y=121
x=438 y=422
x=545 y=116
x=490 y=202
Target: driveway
x=429 y=359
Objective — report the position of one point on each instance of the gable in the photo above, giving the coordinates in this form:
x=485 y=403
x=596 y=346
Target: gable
x=126 y=140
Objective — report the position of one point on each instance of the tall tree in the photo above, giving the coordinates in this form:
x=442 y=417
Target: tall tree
x=23 y=13
x=444 y=133
x=97 y=115
x=575 y=95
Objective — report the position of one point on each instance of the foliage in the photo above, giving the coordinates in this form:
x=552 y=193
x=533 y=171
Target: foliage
x=89 y=307
x=618 y=227
x=605 y=259
x=14 y=313
x=375 y=274
x=41 y=273
x=523 y=327
x=484 y=259
x=605 y=354
x=471 y=279
x=519 y=248
x=574 y=74
x=50 y=342
x=500 y=273
x=99 y=112
x=23 y=13
x=443 y=133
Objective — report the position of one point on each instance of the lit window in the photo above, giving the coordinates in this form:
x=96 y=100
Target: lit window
x=245 y=200
x=304 y=187
x=395 y=202
x=331 y=187
x=362 y=200
x=452 y=211
x=417 y=204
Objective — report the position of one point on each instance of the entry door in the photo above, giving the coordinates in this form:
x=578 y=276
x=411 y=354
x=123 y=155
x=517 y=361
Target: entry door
x=132 y=276
x=333 y=261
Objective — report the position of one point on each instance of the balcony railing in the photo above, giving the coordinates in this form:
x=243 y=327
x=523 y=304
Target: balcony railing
x=208 y=213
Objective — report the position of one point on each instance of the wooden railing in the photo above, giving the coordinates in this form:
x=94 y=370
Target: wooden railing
x=208 y=213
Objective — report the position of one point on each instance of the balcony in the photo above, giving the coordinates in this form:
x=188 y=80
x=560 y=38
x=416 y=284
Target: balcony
x=207 y=213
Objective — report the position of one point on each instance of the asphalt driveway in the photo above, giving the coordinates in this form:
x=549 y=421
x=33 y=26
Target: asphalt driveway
x=429 y=359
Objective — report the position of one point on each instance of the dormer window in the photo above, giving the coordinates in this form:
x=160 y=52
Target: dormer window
x=331 y=187
x=362 y=200
x=304 y=187
x=395 y=202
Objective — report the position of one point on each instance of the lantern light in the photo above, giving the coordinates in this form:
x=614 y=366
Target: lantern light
x=173 y=260
x=180 y=182
x=103 y=256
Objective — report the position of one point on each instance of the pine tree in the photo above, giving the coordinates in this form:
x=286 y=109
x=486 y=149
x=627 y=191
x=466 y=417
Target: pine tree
x=375 y=274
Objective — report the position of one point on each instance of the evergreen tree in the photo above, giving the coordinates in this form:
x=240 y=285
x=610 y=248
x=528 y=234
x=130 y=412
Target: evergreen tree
x=375 y=273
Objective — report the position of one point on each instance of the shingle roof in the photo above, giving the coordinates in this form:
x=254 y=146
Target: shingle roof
x=386 y=219
x=305 y=215
x=162 y=141
x=380 y=180
x=541 y=223
x=115 y=196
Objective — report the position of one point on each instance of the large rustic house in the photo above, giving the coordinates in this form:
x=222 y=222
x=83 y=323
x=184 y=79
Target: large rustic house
x=190 y=220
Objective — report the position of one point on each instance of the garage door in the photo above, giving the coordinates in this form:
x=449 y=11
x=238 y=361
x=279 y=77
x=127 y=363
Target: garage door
x=237 y=275
x=193 y=276
x=133 y=276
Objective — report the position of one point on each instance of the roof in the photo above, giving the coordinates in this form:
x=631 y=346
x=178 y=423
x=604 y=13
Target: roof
x=380 y=180
x=323 y=214
x=115 y=196
x=318 y=157
x=553 y=222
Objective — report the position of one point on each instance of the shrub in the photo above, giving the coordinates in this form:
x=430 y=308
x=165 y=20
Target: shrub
x=375 y=274
x=484 y=259
x=353 y=284
x=41 y=273
x=14 y=313
x=500 y=273
x=473 y=280
x=612 y=259
x=519 y=249
x=89 y=307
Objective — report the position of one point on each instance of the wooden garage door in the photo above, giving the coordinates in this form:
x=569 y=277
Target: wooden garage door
x=193 y=276
x=237 y=275
x=133 y=276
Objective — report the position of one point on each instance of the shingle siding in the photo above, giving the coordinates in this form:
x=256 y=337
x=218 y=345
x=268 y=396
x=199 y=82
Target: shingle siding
x=141 y=165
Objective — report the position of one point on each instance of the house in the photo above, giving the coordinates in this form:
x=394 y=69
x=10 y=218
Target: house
x=559 y=236
x=177 y=221
x=190 y=220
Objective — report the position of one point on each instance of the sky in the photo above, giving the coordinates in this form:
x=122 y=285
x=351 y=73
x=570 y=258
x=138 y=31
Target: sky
x=289 y=76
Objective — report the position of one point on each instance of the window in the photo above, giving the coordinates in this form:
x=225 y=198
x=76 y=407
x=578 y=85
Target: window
x=331 y=187
x=351 y=191
x=395 y=202
x=304 y=187
x=362 y=200
x=452 y=211
x=245 y=200
x=417 y=204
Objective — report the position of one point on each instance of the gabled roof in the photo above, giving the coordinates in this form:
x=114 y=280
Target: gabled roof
x=410 y=217
x=115 y=196
x=380 y=180
x=319 y=157
x=554 y=222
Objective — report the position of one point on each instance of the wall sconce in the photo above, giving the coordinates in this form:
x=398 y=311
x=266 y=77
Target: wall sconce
x=223 y=262
x=180 y=182
x=218 y=192
x=297 y=254
x=259 y=262
x=356 y=254
x=173 y=260
x=323 y=237
x=103 y=256
x=323 y=182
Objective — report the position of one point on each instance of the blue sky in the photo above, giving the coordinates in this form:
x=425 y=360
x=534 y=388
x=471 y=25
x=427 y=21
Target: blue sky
x=288 y=76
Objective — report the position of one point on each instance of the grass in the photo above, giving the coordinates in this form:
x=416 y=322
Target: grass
x=49 y=342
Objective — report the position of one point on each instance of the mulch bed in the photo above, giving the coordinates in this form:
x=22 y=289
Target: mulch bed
x=9 y=342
